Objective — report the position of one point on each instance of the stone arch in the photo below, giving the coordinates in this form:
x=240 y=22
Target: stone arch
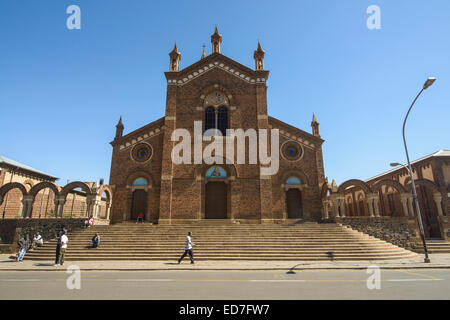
x=388 y=182
x=42 y=185
x=107 y=190
x=73 y=185
x=134 y=174
x=104 y=211
x=37 y=205
x=425 y=183
x=294 y=173
x=28 y=184
x=9 y=186
x=357 y=183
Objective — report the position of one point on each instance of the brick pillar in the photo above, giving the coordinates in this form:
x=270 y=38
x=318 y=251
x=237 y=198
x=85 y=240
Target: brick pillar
x=165 y=202
x=265 y=181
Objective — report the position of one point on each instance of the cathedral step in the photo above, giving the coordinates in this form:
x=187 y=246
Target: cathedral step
x=301 y=241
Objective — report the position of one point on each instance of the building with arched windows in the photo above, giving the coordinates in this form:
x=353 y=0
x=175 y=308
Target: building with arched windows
x=220 y=94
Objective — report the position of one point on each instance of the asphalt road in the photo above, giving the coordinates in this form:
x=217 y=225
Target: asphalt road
x=226 y=285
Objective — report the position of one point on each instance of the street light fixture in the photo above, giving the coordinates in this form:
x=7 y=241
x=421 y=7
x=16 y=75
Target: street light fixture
x=426 y=85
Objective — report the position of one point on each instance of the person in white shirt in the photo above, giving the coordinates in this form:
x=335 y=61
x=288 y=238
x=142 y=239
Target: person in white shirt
x=37 y=240
x=188 y=249
x=62 y=250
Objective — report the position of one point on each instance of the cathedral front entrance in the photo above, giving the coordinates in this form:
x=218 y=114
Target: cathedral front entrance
x=216 y=200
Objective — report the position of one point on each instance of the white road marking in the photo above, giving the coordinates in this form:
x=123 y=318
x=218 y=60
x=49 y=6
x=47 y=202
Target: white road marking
x=148 y=280
x=19 y=280
x=406 y=280
x=277 y=280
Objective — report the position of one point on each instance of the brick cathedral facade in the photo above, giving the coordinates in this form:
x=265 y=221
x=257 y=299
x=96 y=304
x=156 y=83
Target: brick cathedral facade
x=222 y=94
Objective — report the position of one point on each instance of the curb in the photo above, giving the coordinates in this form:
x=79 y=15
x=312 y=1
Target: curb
x=237 y=269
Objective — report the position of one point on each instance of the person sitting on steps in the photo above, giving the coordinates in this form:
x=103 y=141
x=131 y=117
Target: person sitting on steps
x=95 y=242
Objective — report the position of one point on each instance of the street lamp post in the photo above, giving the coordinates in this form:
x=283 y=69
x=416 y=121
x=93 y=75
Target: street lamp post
x=427 y=84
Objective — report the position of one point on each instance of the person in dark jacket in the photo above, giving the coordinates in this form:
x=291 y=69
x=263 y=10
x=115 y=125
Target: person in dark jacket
x=58 y=247
x=95 y=242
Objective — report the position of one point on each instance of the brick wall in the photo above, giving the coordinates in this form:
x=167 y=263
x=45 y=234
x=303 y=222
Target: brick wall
x=182 y=195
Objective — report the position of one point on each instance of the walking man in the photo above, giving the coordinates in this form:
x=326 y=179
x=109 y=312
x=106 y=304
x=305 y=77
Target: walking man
x=23 y=246
x=188 y=248
x=62 y=250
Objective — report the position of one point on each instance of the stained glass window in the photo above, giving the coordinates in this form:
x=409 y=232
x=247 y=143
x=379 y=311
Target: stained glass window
x=216 y=172
x=140 y=182
x=210 y=118
x=293 y=180
x=222 y=120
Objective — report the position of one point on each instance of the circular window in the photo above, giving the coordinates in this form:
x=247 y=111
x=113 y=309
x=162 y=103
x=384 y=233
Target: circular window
x=142 y=152
x=292 y=150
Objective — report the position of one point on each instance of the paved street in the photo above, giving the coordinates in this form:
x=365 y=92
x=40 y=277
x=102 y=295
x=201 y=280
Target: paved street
x=227 y=285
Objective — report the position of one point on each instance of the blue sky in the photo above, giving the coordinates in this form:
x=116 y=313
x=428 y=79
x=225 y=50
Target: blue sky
x=62 y=91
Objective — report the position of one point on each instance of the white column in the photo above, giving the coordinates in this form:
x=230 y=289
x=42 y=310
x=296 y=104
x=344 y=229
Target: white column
x=59 y=206
x=404 y=199
x=27 y=206
x=438 y=200
x=376 y=201
x=108 y=209
x=342 y=206
x=335 y=207
x=370 y=205
x=410 y=206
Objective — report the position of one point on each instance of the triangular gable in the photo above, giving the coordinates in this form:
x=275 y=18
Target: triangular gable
x=216 y=60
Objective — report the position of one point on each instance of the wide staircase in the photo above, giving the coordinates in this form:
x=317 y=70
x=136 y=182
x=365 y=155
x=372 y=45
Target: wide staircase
x=433 y=246
x=216 y=241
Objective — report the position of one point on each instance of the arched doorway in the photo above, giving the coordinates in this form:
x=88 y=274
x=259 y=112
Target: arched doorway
x=139 y=198
x=216 y=193
x=294 y=206
x=216 y=200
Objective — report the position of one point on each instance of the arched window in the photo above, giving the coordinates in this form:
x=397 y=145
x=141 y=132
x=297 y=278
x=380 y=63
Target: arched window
x=140 y=182
x=216 y=112
x=210 y=118
x=222 y=120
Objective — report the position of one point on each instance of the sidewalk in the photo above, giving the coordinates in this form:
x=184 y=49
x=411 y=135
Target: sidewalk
x=437 y=261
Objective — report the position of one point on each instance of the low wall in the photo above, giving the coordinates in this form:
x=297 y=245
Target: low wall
x=12 y=229
x=401 y=231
